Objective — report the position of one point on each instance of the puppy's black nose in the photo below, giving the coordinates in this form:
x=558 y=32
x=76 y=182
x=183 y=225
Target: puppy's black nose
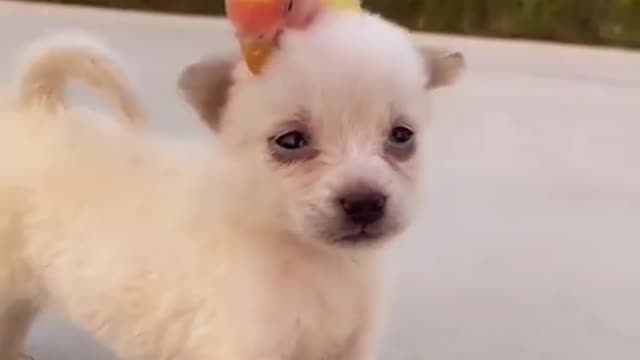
x=363 y=208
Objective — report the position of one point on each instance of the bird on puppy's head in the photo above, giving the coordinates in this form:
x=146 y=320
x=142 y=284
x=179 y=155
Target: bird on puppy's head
x=258 y=23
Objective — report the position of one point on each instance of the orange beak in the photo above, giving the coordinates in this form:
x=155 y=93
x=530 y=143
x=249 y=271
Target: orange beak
x=255 y=21
x=256 y=54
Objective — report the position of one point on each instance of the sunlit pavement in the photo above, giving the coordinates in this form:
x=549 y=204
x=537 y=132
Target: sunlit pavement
x=529 y=245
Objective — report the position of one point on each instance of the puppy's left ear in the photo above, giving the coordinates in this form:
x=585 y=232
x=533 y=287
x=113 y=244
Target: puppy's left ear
x=206 y=85
x=443 y=67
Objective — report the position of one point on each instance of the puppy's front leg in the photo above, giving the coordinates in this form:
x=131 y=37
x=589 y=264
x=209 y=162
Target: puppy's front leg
x=361 y=348
x=15 y=322
x=359 y=353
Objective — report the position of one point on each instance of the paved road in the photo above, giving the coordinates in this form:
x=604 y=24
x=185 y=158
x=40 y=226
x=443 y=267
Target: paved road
x=528 y=248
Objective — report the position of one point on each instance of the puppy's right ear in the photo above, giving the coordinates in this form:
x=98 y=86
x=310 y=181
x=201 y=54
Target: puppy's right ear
x=444 y=67
x=206 y=85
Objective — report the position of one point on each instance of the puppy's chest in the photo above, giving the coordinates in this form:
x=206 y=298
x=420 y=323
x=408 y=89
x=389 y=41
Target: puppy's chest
x=325 y=309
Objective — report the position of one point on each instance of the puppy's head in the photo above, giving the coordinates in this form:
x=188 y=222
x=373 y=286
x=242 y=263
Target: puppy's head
x=329 y=136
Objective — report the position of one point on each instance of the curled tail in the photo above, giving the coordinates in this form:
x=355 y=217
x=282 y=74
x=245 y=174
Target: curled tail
x=51 y=63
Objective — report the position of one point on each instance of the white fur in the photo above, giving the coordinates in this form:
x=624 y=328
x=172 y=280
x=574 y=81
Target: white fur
x=164 y=250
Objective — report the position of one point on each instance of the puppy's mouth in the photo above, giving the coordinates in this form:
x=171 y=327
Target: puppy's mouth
x=363 y=235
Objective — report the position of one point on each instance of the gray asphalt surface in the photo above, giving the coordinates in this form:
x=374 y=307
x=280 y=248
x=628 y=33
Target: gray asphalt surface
x=528 y=247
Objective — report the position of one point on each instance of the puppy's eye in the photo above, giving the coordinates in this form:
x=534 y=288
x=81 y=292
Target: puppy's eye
x=292 y=146
x=292 y=140
x=401 y=143
x=401 y=135
x=289 y=7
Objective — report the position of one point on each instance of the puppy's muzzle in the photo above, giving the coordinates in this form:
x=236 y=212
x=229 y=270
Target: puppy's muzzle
x=363 y=208
x=362 y=215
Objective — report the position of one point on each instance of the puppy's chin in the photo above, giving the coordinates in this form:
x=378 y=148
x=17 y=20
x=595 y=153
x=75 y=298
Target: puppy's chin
x=336 y=232
x=352 y=236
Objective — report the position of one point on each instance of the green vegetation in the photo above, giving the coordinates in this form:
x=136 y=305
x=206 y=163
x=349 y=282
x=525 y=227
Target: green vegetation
x=604 y=22
x=613 y=22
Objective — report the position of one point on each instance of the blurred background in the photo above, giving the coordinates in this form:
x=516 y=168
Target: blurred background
x=601 y=22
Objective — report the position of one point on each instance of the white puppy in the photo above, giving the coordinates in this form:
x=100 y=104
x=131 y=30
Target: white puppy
x=264 y=249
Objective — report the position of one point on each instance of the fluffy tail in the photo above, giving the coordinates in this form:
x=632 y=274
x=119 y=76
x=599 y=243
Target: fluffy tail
x=50 y=65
